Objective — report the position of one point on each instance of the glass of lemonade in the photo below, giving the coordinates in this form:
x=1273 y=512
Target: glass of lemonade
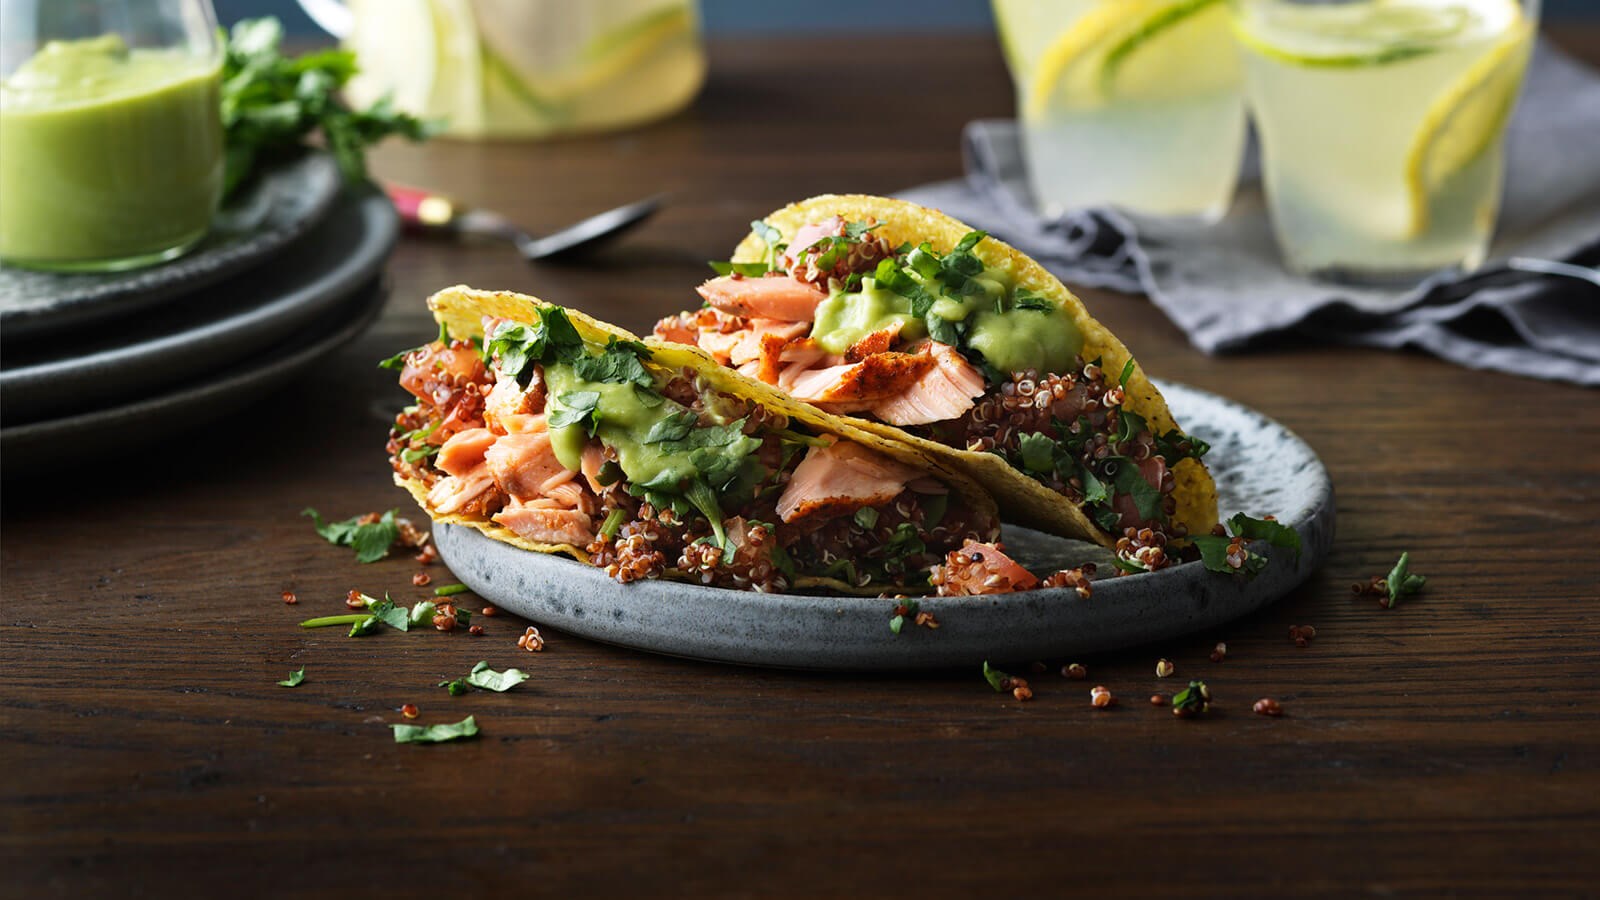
x=1131 y=103
x=1381 y=123
x=522 y=68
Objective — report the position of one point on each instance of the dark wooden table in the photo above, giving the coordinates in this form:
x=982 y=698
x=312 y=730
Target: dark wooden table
x=1451 y=745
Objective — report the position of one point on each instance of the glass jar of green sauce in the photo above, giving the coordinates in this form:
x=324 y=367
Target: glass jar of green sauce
x=111 y=152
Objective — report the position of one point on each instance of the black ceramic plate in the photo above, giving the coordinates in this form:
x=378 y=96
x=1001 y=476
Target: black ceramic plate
x=119 y=429
x=282 y=203
x=95 y=365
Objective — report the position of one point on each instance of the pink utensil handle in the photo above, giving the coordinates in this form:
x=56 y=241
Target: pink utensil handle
x=422 y=209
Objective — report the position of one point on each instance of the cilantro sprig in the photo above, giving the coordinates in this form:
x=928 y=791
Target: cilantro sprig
x=370 y=540
x=1214 y=548
x=1401 y=583
x=272 y=103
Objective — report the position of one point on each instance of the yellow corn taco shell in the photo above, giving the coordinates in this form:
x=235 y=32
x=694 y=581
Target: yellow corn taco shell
x=1021 y=498
x=462 y=310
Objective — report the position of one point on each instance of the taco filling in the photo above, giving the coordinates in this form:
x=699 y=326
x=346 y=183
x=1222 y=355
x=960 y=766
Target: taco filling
x=646 y=470
x=945 y=347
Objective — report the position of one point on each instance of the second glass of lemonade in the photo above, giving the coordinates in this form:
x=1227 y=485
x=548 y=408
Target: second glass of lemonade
x=1381 y=123
x=1130 y=103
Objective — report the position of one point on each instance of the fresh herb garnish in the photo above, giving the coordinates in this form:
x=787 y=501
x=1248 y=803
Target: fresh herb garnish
x=1192 y=700
x=613 y=522
x=423 y=612
x=619 y=363
x=749 y=270
x=294 y=678
x=910 y=608
x=705 y=500
x=1175 y=446
x=1214 y=549
x=517 y=345
x=1127 y=372
x=1026 y=299
x=488 y=679
x=674 y=426
x=456 y=687
x=1401 y=582
x=577 y=408
x=1129 y=480
x=325 y=621
x=271 y=103
x=996 y=678
x=866 y=517
x=1038 y=452
x=371 y=540
x=435 y=734
x=770 y=236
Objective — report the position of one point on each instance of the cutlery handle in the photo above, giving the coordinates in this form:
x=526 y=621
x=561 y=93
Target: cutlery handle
x=423 y=210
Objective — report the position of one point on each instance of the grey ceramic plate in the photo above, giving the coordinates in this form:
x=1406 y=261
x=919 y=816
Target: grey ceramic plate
x=282 y=203
x=1260 y=467
x=116 y=430
x=99 y=365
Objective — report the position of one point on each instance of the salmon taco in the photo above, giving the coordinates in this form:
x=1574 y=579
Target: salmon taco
x=556 y=433
x=938 y=336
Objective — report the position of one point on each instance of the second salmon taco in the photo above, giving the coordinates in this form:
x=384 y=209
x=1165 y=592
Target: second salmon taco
x=551 y=431
x=936 y=335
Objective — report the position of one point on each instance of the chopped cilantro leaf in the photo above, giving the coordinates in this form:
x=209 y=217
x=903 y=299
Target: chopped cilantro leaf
x=866 y=517
x=1038 y=453
x=1401 y=582
x=705 y=500
x=674 y=427
x=970 y=240
x=434 y=734
x=995 y=677
x=749 y=270
x=1129 y=424
x=370 y=540
x=1127 y=372
x=618 y=363
x=1129 y=480
x=576 y=408
x=934 y=507
x=770 y=236
x=517 y=345
x=1265 y=529
x=854 y=230
x=456 y=687
x=488 y=679
x=943 y=330
x=1026 y=299
x=295 y=678
x=1094 y=490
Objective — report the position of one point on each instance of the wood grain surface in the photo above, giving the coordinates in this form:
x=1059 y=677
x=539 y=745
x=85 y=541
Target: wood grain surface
x=1447 y=747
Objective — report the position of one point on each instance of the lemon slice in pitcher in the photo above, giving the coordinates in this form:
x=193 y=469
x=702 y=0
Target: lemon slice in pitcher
x=423 y=54
x=1351 y=35
x=1467 y=119
x=1134 y=49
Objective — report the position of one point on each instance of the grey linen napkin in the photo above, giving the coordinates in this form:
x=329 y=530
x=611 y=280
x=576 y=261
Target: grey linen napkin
x=1225 y=286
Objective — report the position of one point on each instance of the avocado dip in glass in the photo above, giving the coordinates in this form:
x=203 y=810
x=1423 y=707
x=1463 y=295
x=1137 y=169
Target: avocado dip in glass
x=110 y=157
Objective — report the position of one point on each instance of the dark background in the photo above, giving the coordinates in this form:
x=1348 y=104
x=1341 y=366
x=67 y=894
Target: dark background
x=818 y=16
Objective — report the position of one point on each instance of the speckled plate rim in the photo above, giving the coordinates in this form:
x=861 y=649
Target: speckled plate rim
x=842 y=633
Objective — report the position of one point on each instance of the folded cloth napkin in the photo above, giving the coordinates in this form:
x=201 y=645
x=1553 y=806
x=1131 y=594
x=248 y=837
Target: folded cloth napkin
x=1226 y=287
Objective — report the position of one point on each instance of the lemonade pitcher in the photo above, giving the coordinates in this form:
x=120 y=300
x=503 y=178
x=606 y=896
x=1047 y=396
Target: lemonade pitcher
x=522 y=68
x=1382 y=124
x=1131 y=103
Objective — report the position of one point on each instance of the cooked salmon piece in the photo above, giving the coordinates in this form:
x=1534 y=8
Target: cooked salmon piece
x=523 y=464
x=510 y=408
x=546 y=525
x=772 y=297
x=808 y=235
x=860 y=385
x=944 y=391
x=877 y=342
x=839 y=479
x=423 y=368
x=751 y=340
x=594 y=456
x=462 y=456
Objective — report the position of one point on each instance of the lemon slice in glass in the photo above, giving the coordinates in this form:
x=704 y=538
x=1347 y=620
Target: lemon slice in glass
x=1466 y=120
x=1133 y=49
x=423 y=54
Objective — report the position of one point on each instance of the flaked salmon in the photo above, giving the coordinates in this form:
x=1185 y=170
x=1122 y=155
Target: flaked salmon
x=944 y=391
x=525 y=464
x=839 y=479
x=857 y=386
x=547 y=525
x=772 y=297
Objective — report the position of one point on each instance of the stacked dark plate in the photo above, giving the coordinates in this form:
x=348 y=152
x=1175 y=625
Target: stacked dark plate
x=292 y=270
